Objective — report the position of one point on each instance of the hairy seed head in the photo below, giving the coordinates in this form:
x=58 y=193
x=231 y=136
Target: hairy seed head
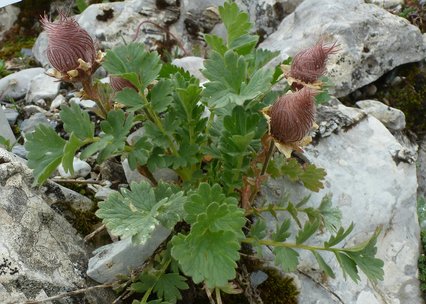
x=68 y=42
x=292 y=116
x=308 y=65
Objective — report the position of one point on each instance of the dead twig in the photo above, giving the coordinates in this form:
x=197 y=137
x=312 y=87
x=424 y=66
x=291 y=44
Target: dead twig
x=92 y=234
x=180 y=44
x=69 y=294
x=77 y=181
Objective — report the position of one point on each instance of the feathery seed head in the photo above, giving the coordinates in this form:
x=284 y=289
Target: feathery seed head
x=309 y=64
x=70 y=49
x=292 y=116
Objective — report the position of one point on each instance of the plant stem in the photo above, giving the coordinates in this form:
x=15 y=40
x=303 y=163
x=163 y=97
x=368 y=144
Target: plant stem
x=289 y=245
x=268 y=157
x=156 y=120
x=218 y=298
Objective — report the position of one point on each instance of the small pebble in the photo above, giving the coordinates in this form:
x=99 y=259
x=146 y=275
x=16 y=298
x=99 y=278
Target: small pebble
x=57 y=102
x=81 y=169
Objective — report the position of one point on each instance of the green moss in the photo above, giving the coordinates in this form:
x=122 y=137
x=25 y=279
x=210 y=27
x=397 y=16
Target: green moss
x=278 y=289
x=409 y=96
x=12 y=48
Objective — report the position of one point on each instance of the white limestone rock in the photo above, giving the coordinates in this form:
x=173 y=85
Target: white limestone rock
x=192 y=64
x=40 y=252
x=392 y=118
x=372 y=41
x=42 y=87
x=371 y=189
x=8 y=16
x=122 y=256
x=81 y=169
x=5 y=130
x=16 y=85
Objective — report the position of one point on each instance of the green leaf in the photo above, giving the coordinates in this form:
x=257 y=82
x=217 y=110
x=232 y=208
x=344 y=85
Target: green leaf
x=216 y=43
x=208 y=256
x=237 y=23
x=81 y=5
x=258 y=230
x=140 y=153
x=169 y=70
x=262 y=57
x=294 y=212
x=323 y=265
x=229 y=70
x=292 y=169
x=340 y=236
x=132 y=58
x=135 y=212
x=287 y=258
x=70 y=149
x=282 y=232
x=116 y=128
x=308 y=230
x=45 y=149
x=331 y=216
x=96 y=146
x=168 y=286
x=366 y=261
x=130 y=98
x=77 y=121
x=258 y=84
x=348 y=266
x=199 y=201
x=5 y=143
x=312 y=177
x=160 y=95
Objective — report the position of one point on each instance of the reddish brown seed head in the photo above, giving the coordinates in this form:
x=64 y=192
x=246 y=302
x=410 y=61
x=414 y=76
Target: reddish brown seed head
x=68 y=42
x=292 y=116
x=118 y=83
x=308 y=65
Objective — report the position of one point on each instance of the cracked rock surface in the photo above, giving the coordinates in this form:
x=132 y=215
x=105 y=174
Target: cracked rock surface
x=372 y=189
x=40 y=253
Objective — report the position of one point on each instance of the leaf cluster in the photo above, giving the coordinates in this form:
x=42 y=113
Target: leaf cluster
x=213 y=137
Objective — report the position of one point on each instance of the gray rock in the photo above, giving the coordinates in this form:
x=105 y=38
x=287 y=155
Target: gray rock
x=372 y=41
x=5 y=130
x=392 y=118
x=20 y=151
x=11 y=115
x=267 y=15
x=387 y=4
x=166 y=175
x=29 y=125
x=33 y=109
x=8 y=16
x=16 y=85
x=81 y=169
x=371 y=189
x=102 y=193
x=193 y=65
x=40 y=251
x=57 y=102
x=122 y=256
x=421 y=168
x=132 y=175
x=42 y=87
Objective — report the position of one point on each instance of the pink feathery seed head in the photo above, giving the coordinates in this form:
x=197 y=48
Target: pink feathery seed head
x=67 y=43
x=118 y=83
x=292 y=116
x=309 y=64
